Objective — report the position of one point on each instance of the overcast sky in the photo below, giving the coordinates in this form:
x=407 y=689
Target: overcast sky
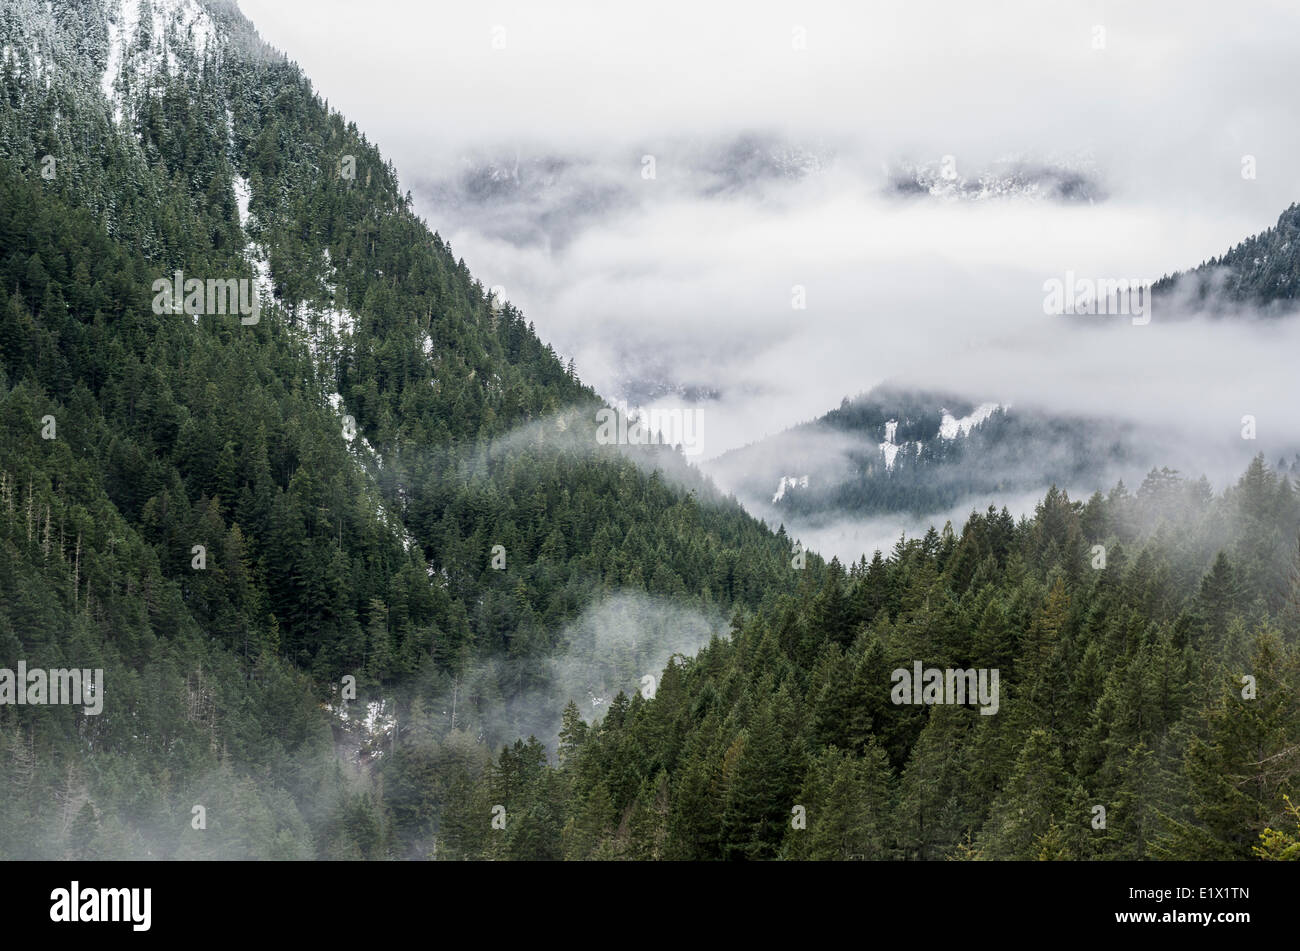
x=1158 y=104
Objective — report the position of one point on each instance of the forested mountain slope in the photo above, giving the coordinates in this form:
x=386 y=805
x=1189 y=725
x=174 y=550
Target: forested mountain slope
x=1261 y=272
x=382 y=474
x=1148 y=705
x=347 y=461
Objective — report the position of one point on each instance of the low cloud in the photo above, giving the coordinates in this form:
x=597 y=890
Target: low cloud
x=615 y=644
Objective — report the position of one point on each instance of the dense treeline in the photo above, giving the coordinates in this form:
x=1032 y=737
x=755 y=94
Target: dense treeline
x=1121 y=687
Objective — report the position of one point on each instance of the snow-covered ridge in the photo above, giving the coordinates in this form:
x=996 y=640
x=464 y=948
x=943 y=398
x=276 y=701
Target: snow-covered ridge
x=1009 y=178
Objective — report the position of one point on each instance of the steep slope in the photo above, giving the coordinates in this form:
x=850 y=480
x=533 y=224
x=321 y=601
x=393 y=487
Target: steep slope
x=1262 y=272
x=236 y=511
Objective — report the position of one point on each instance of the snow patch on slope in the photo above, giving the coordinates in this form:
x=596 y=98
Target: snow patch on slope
x=951 y=428
x=789 y=482
x=136 y=63
x=888 y=447
x=243 y=195
x=124 y=23
x=327 y=325
x=369 y=732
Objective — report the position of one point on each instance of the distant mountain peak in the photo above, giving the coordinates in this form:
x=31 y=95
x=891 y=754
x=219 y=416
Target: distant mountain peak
x=946 y=179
